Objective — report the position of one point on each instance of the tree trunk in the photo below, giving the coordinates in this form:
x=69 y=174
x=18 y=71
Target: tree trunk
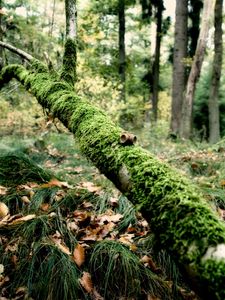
x=186 y=123
x=1 y=37
x=214 y=123
x=156 y=63
x=68 y=72
x=179 y=55
x=122 y=51
x=181 y=219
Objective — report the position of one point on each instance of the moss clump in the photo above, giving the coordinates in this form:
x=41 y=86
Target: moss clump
x=68 y=73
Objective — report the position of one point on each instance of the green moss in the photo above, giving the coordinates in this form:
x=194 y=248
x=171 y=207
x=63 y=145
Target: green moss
x=68 y=73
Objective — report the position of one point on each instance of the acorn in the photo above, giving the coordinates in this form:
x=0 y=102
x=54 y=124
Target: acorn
x=4 y=210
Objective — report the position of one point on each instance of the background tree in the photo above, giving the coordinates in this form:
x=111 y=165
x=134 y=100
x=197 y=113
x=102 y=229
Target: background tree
x=122 y=50
x=214 y=121
x=187 y=107
x=179 y=66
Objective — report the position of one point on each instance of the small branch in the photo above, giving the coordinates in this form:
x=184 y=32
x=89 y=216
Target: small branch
x=17 y=51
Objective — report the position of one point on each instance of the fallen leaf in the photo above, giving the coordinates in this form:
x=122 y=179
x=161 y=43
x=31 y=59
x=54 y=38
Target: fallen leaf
x=23 y=219
x=3 y=190
x=1 y=269
x=56 y=183
x=45 y=206
x=113 y=201
x=82 y=217
x=103 y=219
x=90 y=186
x=148 y=261
x=4 y=210
x=86 y=282
x=78 y=169
x=63 y=248
x=25 y=199
x=79 y=255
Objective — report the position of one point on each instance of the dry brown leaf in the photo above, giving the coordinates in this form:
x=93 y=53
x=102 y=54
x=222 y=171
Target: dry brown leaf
x=63 y=248
x=1 y=269
x=72 y=226
x=59 y=195
x=79 y=255
x=78 y=169
x=86 y=205
x=45 y=206
x=113 y=201
x=90 y=186
x=55 y=183
x=103 y=219
x=23 y=219
x=3 y=190
x=82 y=217
x=25 y=199
x=86 y=282
x=127 y=238
x=4 y=210
x=133 y=247
x=148 y=261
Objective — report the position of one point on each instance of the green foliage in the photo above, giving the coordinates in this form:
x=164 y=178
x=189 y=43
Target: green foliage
x=119 y=273
x=17 y=168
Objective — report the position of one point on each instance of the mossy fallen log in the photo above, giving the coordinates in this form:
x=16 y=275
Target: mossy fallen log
x=181 y=219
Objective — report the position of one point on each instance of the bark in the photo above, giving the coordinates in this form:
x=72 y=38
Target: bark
x=179 y=69
x=186 y=124
x=1 y=36
x=181 y=219
x=122 y=50
x=156 y=64
x=214 y=123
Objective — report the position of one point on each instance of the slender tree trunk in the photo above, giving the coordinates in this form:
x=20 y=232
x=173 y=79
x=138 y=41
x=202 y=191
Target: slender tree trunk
x=1 y=37
x=179 y=55
x=52 y=19
x=156 y=63
x=186 y=123
x=214 y=123
x=122 y=50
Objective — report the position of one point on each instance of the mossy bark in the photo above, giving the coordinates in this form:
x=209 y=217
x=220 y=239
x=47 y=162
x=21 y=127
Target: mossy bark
x=179 y=216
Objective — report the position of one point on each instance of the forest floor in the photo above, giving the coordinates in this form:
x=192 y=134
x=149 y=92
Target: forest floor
x=55 y=199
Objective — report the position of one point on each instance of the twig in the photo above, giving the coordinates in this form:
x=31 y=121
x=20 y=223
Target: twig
x=18 y=51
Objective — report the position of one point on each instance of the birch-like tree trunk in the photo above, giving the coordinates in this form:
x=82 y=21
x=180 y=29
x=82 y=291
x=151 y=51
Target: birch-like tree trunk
x=214 y=122
x=156 y=63
x=179 y=56
x=187 y=107
x=122 y=48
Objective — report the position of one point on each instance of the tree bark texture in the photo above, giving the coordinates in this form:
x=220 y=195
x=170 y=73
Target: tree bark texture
x=187 y=107
x=122 y=50
x=156 y=63
x=179 y=69
x=1 y=36
x=214 y=122
x=181 y=219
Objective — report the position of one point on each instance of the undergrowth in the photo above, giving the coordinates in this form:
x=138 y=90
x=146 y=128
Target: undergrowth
x=71 y=235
